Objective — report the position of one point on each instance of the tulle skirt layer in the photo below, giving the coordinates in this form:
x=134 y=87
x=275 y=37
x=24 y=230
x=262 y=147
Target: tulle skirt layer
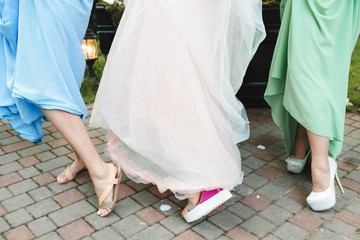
x=168 y=90
x=41 y=61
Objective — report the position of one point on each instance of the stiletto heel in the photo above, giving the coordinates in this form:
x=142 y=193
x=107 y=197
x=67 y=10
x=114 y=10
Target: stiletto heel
x=295 y=165
x=339 y=183
x=321 y=201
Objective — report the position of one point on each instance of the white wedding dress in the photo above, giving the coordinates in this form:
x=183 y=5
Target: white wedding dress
x=167 y=95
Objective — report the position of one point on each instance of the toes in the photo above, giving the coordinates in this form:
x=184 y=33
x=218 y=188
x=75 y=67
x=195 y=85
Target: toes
x=103 y=212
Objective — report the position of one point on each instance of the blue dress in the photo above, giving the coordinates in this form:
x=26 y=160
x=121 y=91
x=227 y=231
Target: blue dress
x=41 y=61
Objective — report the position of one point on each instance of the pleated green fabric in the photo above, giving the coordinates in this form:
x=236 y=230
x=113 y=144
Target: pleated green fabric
x=308 y=78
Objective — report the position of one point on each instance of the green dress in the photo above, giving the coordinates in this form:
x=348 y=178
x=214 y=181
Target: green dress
x=308 y=78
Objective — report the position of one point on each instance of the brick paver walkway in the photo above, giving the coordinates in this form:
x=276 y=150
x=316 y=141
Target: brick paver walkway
x=270 y=204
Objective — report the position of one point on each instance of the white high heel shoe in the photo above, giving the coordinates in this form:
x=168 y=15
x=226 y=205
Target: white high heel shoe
x=321 y=201
x=295 y=165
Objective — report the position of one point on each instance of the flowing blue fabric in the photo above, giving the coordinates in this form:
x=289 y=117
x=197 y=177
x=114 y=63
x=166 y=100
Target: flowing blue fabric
x=41 y=61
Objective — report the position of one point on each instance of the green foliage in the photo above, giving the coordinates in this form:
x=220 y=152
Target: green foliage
x=271 y=3
x=116 y=10
x=354 y=79
x=98 y=66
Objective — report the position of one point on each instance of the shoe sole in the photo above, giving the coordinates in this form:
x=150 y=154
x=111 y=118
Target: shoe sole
x=205 y=208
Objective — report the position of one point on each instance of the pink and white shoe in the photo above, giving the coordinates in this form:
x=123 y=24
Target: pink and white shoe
x=209 y=200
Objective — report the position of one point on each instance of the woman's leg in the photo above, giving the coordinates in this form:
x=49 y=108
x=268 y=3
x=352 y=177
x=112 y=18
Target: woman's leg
x=73 y=130
x=301 y=143
x=320 y=164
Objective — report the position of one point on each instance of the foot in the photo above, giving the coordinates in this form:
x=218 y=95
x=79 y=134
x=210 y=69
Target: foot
x=105 y=184
x=194 y=200
x=70 y=172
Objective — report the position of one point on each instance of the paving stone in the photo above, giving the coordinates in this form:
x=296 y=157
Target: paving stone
x=175 y=223
x=207 y=230
x=129 y=226
x=243 y=190
x=4 y=226
x=174 y=208
x=150 y=215
x=98 y=222
x=340 y=203
x=349 y=218
x=345 y=166
x=125 y=191
x=289 y=204
x=82 y=177
x=51 y=235
x=354 y=206
x=258 y=226
x=271 y=191
x=250 y=147
x=69 y=197
x=246 y=170
x=5 y=194
x=298 y=194
x=349 y=194
x=225 y=220
x=40 y=193
x=75 y=230
x=223 y=238
x=61 y=151
x=286 y=182
x=106 y=233
x=145 y=198
x=188 y=234
x=325 y=215
x=22 y=187
x=2 y=211
x=41 y=226
x=270 y=237
x=18 y=217
x=17 y=202
x=275 y=214
x=354 y=175
x=87 y=189
x=43 y=207
x=58 y=188
x=268 y=172
x=29 y=172
x=340 y=227
x=71 y=213
x=126 y=207
x=253 y=163
x=306 y=220
x=33 y=150
x=240 y=234
x=291 y=231
x=29 y=161
x=17 y=146
x=242 y=211
x=324 y=234
x=53 y=164
x=45 y=156
x=9 y=168
x=58 y=143
x=255 y=201
x=255 y=181
x=21 y=232
x=8 y=158
x=154 y=232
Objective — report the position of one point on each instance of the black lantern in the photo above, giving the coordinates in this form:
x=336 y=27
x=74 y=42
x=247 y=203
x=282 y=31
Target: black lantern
x=89 y=46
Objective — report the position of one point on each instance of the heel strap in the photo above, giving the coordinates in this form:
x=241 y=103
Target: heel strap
x=111 y=182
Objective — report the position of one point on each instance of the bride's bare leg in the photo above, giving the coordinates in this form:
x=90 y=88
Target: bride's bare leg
x=73 y=130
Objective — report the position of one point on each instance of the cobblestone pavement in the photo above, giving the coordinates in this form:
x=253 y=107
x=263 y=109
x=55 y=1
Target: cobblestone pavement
x=270 y=204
